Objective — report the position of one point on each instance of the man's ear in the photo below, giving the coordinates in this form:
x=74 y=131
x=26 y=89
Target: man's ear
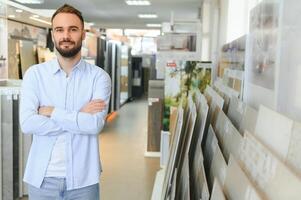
x=52 y=37
x=84 y=35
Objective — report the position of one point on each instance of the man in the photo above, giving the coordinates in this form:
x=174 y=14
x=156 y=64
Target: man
x=64 y=105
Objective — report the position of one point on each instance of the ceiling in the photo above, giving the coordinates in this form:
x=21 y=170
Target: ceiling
x=117 y=14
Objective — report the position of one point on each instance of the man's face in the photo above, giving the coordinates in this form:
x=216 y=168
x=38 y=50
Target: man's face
x=68 y=34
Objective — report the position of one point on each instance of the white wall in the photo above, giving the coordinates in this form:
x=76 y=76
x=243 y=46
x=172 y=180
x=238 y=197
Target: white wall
x=3 y=40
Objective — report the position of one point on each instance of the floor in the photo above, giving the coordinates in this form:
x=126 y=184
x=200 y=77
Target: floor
x=127 y=174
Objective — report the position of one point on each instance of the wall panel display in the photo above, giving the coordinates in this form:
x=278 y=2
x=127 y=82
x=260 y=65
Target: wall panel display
x=180 y=78
x=13 y=59
x=15 y=146
x=27 y=55
x=177 y=42
x=21 y=31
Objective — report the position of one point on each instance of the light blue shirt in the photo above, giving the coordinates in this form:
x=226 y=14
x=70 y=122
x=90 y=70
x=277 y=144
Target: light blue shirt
x=46 y=84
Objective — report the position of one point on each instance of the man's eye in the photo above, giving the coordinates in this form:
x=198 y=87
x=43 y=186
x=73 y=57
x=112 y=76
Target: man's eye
x=74 y=29
x=59 y=30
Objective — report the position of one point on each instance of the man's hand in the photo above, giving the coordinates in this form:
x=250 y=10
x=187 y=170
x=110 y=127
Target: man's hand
x=46 y=110
x=94 y=106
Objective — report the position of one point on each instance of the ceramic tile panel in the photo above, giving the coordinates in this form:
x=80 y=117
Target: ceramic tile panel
x=249 y=120
x=173 y=152
x=217 y=191
x=218 y=168
x=210 y=148
x=237 y=185
x=232 y=140
x=271 y=175
x=183 y=191
x=274 y=130
x=189 y=132
x=7 y=147
x=294 y=152
x=27 y=55
x=202 y=111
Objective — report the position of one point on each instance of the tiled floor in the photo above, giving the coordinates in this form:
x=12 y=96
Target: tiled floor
x=127 y=174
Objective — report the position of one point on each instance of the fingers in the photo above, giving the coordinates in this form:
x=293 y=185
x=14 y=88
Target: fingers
x=94 y=107
x=96 y=100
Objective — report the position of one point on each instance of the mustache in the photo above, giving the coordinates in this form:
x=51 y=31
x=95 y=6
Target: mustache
x=66 y=40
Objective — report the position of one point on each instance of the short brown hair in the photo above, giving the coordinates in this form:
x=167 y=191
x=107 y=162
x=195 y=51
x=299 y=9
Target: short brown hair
x=66 y=8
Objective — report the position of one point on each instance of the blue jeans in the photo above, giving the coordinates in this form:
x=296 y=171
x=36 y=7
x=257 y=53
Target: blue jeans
x=55 y=189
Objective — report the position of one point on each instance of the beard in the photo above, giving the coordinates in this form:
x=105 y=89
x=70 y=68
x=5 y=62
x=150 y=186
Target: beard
x=68 y=52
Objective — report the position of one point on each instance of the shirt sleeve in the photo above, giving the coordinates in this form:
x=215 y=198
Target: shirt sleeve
x=30 y=121
x=85 y=123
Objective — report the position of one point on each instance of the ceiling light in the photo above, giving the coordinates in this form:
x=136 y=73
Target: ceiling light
x=30 y=1
x=11 y=16
x=91 y=24
x=40 y=20
x=36 y=16
x=148 y=16
x=19 y=10
x=154 y=25
x=138 y=2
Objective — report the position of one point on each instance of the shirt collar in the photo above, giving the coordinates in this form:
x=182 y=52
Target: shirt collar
x=56 y=66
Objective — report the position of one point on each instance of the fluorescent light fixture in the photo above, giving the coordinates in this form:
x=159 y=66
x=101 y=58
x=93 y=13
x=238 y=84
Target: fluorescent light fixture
x=154 y=25
x=36 y=16
x=30 y=1
x=138 y=2
x=40 y=20
x=91 y=24
x=19 y=10
x=147 y=16
x=11 y=16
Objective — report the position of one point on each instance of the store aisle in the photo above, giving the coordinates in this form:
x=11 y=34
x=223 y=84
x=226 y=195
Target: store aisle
x=127 y=174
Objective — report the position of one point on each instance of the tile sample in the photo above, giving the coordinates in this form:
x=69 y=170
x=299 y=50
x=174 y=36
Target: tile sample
x=218 y=168
x=274 y=130
x=237 y=185
x=270 y=174
x=202 y=112
x=217 y=191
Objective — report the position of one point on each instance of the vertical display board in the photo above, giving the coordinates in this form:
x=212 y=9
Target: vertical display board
x=180 y=78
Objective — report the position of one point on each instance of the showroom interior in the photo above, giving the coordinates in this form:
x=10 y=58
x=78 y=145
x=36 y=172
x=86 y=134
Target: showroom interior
x=205 y=99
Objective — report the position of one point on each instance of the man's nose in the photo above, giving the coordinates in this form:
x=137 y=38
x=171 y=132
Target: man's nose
x=66 y=34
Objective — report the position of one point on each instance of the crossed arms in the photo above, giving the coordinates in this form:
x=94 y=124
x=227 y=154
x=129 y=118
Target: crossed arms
x=51 y=121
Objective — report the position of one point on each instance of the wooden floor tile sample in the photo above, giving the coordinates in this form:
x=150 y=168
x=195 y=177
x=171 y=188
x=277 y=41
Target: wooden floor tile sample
x=217 y=191
x=237 y=185
x=270 y=174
